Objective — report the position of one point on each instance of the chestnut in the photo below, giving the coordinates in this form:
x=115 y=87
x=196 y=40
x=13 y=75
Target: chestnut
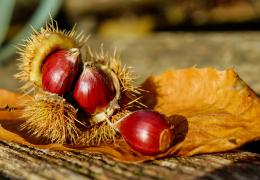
x=94 y=90
x=146 y=131
x=60 y=70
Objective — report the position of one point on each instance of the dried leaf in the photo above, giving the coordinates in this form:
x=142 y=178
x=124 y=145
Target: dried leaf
x=220 y=112
x=212 y=110
x=11 y=99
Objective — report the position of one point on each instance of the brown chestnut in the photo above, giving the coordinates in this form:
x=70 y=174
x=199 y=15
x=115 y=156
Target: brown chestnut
x=146 y=131
x=94 y=90
x=60 y=70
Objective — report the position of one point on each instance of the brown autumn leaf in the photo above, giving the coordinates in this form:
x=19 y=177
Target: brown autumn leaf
x=212 y=110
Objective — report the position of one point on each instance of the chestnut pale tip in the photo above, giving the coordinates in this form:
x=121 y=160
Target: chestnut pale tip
x=166 y=137
x=74 y=53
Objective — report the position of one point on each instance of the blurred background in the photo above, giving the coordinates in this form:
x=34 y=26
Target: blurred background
x=150 y=35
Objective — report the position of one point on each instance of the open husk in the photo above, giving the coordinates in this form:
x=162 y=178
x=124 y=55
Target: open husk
x=56 y=118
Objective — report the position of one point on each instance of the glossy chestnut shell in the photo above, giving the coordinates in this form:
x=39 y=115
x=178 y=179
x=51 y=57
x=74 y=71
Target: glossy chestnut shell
x=94 y=90
x=147 y=131
x=60 y=70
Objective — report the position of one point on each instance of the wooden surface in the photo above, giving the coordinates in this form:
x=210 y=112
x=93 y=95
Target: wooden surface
x=23 y=162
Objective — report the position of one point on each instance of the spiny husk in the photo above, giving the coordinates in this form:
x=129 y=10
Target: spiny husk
x=101 y=132
x=56 y=119
x=129 y=92
x=28 y=50
x=52 y=117
x=128 y=101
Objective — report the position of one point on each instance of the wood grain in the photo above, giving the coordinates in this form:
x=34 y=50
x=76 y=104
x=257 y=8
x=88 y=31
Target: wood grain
x=26 y=163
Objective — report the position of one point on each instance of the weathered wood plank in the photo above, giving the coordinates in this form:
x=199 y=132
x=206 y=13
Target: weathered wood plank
x=23 y=162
